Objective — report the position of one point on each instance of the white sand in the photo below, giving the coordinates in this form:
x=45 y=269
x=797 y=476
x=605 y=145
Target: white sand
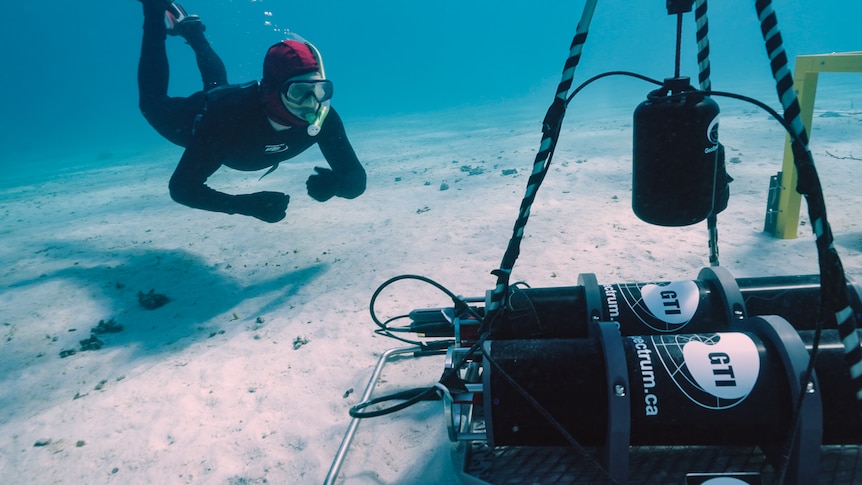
x=210 y=387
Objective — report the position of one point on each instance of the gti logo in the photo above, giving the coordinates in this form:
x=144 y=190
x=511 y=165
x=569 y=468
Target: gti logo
x=713 y=370
x=727 y=367
x=674 y=303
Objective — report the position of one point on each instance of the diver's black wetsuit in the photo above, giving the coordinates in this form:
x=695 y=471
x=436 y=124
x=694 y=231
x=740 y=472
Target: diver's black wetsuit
x=226 y=125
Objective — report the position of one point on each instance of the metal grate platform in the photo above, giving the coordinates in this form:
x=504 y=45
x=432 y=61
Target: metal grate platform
x=648 y=465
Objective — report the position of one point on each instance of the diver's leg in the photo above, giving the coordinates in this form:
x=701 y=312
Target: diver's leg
x=153 y=71
x=173 y=117
x=190 y=27
x=210 y=65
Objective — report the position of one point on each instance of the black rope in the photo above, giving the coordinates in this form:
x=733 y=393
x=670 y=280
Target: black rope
x=703 y=68
x=701 y=34
x=834 y=297
x=702 y=37
x=550 y=134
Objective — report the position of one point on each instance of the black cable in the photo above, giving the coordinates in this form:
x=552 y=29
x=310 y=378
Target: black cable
x=606 y=74
x=386 y=331
x=459 y=303
x=413 y=396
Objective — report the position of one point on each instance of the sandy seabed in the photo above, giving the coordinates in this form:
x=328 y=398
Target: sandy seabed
x=247 y=374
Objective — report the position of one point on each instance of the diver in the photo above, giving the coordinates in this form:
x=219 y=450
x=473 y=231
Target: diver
x=251 y=126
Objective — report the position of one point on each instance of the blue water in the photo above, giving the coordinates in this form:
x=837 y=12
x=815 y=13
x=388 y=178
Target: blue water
x=69 y=68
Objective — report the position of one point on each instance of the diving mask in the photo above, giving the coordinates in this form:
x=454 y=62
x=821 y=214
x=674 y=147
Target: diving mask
x=299 y=93
x=308 y=96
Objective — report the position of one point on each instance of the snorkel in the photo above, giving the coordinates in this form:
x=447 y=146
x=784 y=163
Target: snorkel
x=315 y=120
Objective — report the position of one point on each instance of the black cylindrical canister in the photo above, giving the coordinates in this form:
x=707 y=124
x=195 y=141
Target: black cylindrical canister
x=637 y=308
x=714 y=389
x=674 y=162
x=644 y=308
x=690 y=389
x=565 y=376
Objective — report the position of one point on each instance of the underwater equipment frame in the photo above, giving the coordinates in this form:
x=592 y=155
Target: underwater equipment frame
x=652 y=365
x=623 y=374
x=739 y=380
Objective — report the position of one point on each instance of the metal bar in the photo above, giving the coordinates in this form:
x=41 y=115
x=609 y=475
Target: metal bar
x=805 y=76
x=354 y=422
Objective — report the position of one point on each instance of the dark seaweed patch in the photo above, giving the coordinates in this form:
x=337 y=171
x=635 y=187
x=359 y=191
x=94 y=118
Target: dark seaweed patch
x=152 y=300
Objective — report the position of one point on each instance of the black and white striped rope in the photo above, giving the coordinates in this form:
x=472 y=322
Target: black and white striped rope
x=704 y=70
x=834 y=297
x=702 y=35
x=550 y=134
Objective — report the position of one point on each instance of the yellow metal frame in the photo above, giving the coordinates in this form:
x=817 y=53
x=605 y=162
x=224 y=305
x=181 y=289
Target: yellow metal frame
x=805 y=77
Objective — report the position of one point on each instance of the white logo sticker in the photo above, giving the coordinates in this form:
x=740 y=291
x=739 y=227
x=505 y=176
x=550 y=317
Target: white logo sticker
x=712 y=131
x=727 y=368
x=673 y=303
